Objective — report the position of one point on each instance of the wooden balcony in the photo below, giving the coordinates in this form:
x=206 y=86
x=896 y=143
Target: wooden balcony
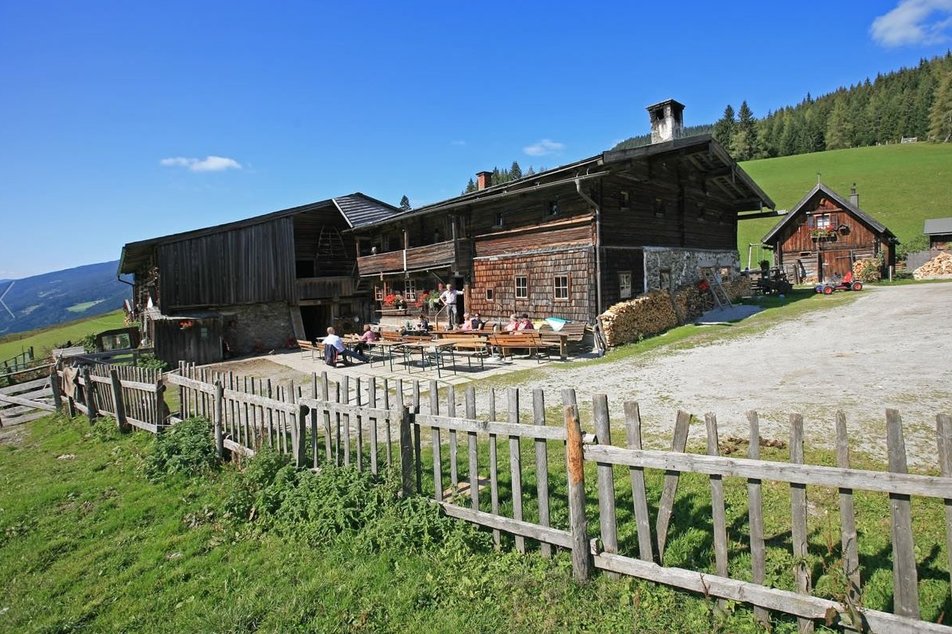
x=324 y=287
x=432 y=256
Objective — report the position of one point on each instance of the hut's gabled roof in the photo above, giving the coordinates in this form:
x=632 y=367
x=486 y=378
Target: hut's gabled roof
x=937 y=226
x=874 y=224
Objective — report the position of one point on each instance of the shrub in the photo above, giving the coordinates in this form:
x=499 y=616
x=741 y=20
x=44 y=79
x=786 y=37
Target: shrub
x=186 y=449
x=150 y=362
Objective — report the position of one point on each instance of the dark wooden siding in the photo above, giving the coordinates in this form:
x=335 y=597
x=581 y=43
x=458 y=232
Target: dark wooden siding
x=244 y=266
x=553 y=235
x=498 y=273
x=614 y=261
x=200 y=343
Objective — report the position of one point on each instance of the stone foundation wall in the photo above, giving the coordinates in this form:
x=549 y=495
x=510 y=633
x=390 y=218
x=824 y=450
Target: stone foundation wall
x=683 y=267
x=253 y=328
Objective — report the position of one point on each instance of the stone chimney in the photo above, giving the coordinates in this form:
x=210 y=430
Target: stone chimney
x=667 y=120
x=483 y=179
x=854 y=197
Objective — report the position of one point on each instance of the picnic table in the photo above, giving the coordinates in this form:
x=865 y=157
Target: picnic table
x=431 y=352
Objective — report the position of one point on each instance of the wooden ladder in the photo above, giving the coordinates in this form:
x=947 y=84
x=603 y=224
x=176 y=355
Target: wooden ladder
x=721 y=300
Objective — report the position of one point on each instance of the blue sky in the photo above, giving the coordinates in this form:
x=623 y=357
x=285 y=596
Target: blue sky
x=121 y=121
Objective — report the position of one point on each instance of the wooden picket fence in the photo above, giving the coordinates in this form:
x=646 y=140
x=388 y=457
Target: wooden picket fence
x=353 y=422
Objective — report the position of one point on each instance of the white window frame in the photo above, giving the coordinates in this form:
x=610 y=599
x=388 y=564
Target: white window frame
x=525 y=287
x=624 y=284
x=556 y=287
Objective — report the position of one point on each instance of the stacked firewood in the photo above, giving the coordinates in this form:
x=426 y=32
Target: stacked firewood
x=630 y=321
x=868 y=270
x=939 y=267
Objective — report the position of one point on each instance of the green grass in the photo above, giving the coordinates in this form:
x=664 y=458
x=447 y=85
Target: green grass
x=42 y=340
x=899 y=185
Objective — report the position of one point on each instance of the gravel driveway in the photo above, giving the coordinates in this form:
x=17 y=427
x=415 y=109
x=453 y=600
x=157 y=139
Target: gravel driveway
x=892 y=347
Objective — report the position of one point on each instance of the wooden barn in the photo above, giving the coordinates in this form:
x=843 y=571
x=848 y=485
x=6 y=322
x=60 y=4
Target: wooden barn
x=939 y=231
x=824 y=234
x=251 y=285
x=571 y=241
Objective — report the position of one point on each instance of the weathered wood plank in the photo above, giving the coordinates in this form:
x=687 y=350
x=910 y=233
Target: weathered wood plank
x=544 y=534
x=189 y=384
x=848 y=535
x=515 y=466
x=944 y=434
x=16 y=400
x=905 y=577
x=454 y=445
x=19 y=388
x=494 y=469
x=798 y=511
x=755 y=512
x=638 y=494
x=606 y=478
x=542 y=466
x=678 y=444
x=575 y=470
x=835 y=477
x=717 y=500
x=473 y=453
x=435 y=438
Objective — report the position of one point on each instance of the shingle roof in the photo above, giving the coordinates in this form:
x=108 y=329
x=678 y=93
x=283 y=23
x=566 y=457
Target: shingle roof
x=360 y=209
x=843 y=202
x=937 y=226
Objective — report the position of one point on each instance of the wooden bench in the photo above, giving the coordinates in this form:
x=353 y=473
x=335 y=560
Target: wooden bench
x=573 y=332
x=469 y=344
x=308 y=347
x=523 y=340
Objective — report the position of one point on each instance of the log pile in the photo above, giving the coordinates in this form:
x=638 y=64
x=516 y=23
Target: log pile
x=868 y=270
x=939 y=267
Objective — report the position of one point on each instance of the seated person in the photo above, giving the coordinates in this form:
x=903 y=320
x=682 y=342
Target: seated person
x=477 y=321
x=513 y=324
x=423 y=325
x=367 y=339
x=467 y=322
x=333 y=341
x=525 y=323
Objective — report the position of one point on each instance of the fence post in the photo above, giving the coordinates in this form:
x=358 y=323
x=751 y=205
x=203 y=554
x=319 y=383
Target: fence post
x=606 y=479
x=575 y=467
x=299 y=435
x=408 y=482
x=90 y=395
x=118 y=406
x=55 y=387
x=219 y=418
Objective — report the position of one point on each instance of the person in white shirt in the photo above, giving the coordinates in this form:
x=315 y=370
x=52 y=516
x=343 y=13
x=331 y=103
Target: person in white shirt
x=338 y=344
x=449 y=300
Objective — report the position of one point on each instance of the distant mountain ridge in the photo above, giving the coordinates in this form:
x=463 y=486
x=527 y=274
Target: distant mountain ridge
x=51 y=298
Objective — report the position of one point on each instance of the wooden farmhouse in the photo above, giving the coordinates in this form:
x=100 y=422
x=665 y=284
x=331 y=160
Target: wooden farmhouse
x=939 y=231
x=824 y=234
x=567 y=242
x=251 y=285
x=571 y=241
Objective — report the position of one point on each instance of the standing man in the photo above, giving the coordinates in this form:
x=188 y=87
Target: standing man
x=449 y=300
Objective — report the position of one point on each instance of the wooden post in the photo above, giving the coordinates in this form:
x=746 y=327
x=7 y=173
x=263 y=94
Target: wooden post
x=90 y=395
x=944 y=433
x=473 y=449
x=299 y=436
x=345 y=398
x=606 y=479
x=638 y=495
x=671 y=478
x=847 y=516
x=117 y=405
x=454 y=445
x=798 y=511
x=219 y=418
x=717 y=502
x=755 y=511
x=515 y=466
x=417 y=443
x=575 y=468
x=542 y=466
x=905 y=577
x=435 y=437
x=407 y=485
x=56 y=388
x=494 y=470
x=374 y=422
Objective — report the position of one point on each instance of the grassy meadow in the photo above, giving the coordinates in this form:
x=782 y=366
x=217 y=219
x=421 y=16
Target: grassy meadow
x=43 y=340
x=899 y=185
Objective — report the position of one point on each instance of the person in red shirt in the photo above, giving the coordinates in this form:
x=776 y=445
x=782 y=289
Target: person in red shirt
x=524 y=323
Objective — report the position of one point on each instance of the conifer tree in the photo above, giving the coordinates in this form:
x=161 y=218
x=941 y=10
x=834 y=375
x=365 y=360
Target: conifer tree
x=839 y=127
x=515 y=172
x=724 y=128
x=405 y=203
x=940 y=114
x=744 y=141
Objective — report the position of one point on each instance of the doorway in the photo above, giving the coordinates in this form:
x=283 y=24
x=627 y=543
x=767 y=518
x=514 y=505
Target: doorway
x=316 y=320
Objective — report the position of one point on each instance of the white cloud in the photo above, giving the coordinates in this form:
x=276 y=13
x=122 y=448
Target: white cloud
x=207 y=164
x=459 y=143
x=544 y=147
x=914 y=22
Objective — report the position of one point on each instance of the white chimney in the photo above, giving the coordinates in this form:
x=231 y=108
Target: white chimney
x=667 y=120
x=854 y=197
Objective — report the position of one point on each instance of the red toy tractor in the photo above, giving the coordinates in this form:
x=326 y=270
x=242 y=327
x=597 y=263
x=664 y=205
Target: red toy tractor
x=845 y=283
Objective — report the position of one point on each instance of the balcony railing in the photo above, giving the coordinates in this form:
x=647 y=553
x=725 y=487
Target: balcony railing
x=415 y=259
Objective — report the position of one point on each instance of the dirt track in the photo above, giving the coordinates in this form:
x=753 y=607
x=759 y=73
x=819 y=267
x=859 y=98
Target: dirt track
x=892 y=347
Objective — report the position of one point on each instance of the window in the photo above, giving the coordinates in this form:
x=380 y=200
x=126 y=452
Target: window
x=409 y=290
x=489 y=295
x=561 y=287
x=822 y=221
x=553 y=209
x=379 y=293
x=625 y=200
x=499 y=219
x=624 y=284
x=522 y=287
x=659 y=207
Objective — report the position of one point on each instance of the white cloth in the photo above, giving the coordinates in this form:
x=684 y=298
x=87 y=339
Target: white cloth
x=334 y=340
x=449 y=297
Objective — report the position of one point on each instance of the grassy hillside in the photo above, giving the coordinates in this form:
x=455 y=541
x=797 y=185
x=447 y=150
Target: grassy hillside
x=42 y=340
x=900 y=185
